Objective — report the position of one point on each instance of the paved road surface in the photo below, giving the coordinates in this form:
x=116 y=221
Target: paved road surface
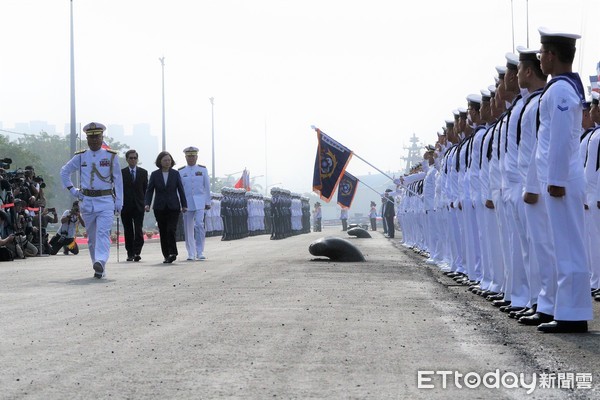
x=260 y=320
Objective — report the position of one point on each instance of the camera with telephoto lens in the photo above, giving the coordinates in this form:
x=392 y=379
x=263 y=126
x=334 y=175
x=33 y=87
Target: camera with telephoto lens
x=40 y=180
x=5 y=163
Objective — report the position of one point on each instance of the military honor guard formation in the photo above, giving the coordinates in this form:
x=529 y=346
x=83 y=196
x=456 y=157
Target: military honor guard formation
x=508 y=200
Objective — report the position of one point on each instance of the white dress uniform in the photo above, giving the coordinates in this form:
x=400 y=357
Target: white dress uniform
x=100 y=195
x=558 y=163
x=196 y=185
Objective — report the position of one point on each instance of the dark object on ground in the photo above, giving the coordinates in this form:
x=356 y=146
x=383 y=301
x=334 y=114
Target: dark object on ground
x=359 y=233
x=337 y=249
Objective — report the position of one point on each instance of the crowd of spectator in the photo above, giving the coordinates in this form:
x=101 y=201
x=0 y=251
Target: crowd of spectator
x=24 y=216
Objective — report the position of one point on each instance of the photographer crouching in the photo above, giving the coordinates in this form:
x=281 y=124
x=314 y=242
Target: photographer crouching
x=65 y=237
x=23 y=230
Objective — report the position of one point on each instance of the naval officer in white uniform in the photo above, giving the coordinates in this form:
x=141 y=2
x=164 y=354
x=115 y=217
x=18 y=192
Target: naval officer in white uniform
x=196 y=185
x=100 y=194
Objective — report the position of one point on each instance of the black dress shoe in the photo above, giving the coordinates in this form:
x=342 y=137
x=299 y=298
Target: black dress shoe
x=508 y=309
x=166 y=261
x=500 y=303
x=137 y=258
x=130 y=258
x=536 y=319
x=521 y=313
x=487 y=293
x=171 y=258
x=563 y=327
x=597 y=297
x=498 y=296
x=529 y=312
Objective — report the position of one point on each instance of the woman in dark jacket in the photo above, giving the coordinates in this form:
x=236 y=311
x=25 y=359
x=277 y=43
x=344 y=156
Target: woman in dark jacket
x=168 y=202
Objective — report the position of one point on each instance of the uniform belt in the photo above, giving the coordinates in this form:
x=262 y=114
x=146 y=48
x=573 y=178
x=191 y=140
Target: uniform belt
x=96 y=193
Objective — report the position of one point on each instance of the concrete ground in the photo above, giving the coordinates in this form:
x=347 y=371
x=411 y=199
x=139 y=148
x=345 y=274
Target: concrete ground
x=260 y=319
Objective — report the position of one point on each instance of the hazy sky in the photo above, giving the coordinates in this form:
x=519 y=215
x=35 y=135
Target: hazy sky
x=368 y=73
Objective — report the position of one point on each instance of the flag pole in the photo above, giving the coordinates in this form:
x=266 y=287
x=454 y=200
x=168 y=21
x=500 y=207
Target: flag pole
x=368 y=163
x=380 y=195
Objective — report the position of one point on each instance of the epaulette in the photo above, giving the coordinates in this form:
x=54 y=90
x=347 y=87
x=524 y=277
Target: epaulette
x=112 y=151
x=179 y=169
x=80 y=152
x=201 y=166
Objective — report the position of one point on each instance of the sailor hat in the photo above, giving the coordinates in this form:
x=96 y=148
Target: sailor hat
x=474 y=100
x=485 y=95
x=550 y=36
x=501 y=70
x=512 y=61
x=526 y=54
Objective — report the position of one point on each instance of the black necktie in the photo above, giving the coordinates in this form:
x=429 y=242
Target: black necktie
x=132 y=175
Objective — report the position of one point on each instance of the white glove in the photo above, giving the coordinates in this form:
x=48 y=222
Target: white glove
x=74 y=192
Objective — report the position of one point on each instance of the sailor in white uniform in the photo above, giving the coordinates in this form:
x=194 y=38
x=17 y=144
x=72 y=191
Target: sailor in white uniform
x=562 y=182
x=100 y=194
x=196 y=185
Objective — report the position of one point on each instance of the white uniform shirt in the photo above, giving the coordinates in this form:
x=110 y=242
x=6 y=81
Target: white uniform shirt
x=557 y=156
x=99 y=170
x=196 y=185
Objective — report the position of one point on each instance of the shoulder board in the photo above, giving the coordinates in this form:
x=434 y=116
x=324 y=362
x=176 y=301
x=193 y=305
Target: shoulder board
x=112 y=151
x=80 y=152
x=179 y=169
x=201 y=166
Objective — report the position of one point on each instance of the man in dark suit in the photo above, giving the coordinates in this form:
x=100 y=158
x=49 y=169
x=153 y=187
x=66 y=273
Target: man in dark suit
x=135 y=183
x=389 y=213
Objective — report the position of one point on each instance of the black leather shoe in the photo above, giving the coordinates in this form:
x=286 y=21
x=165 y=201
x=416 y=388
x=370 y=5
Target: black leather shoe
x=500 y=303
x=563 y=327
x=529 y=312
x=130 y=258
x=498 y=296
x=508 y=309
x=518 y=314
x=137 y=258
x=597 y=297
x=171 y=258
x=487 y=293
x=97 y=275
x=536 y=319
x=98 y=268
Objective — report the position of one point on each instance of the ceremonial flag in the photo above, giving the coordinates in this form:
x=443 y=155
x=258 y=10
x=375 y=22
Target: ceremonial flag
x=347 y=190
x=330 y=163
x=105 y=145
x=244 y=181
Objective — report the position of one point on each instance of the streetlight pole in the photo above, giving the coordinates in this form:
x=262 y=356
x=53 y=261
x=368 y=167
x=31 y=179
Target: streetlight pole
x=164 y=138
x=212 y=112
x=73 y=137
